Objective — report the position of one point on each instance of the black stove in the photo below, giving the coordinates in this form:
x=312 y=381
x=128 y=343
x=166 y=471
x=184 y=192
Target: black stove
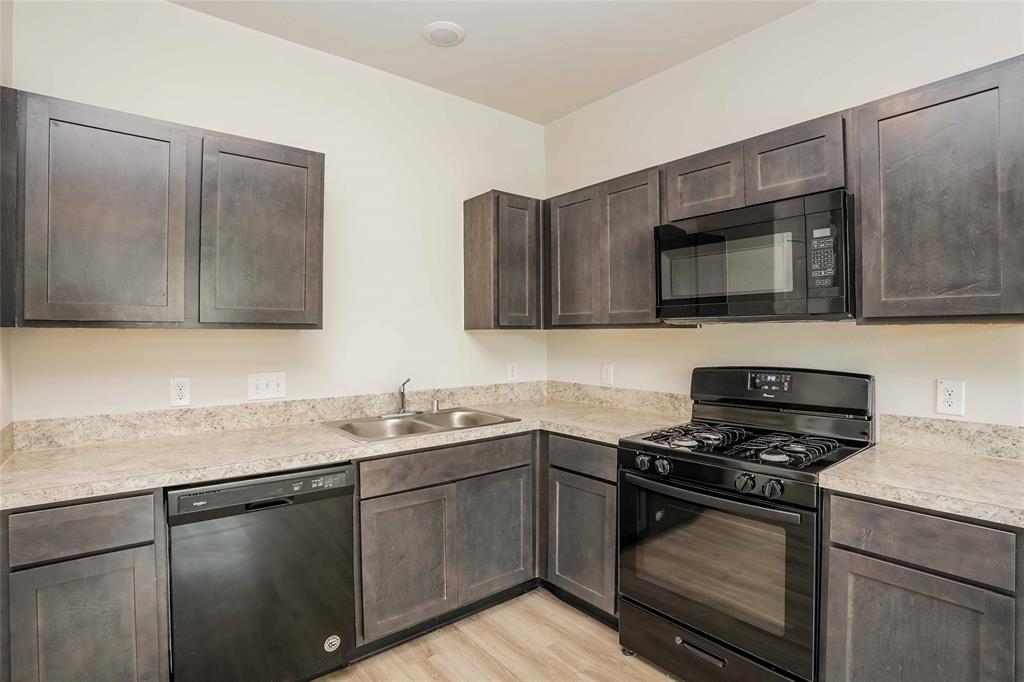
x=719 y=523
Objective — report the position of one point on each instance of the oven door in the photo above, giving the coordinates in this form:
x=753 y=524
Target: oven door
x=754 y=270
x=741 y=572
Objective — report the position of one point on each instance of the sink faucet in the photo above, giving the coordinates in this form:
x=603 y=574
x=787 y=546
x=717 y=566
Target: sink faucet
x=401 y=396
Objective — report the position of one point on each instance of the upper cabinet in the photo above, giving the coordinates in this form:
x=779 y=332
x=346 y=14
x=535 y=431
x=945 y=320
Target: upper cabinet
x=801 y=159
x=111 y=219
x=941 y=198
x=601 y=242
x=262 y=233
x=501 y=253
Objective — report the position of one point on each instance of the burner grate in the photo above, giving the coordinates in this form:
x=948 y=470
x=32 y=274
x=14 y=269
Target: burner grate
x=705 y=436
x=781 y=448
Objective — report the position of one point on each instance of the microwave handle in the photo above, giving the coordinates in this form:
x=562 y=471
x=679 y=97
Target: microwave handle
x=720 y=503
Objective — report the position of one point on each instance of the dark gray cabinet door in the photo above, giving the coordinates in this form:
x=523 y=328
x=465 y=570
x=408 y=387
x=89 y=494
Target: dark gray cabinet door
x=581 y=537
x=87 y=619
x=801 y=159
x=409 y=556
x=889 y=622
x=518 y=261
x=104 y=232
x=577 y=276
x=942 y=198
x=708 y=182
x=631 y=210
x=261 y=255
x=495 y=532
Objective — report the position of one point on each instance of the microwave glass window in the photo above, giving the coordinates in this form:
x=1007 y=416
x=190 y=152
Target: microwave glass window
x=729 y=563
x=761 y=264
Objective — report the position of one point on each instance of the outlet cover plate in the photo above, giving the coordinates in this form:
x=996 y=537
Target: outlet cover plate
x=950 y=397
x=267 y=385
x=513 y=370
x=607 y=374
x=181 y=392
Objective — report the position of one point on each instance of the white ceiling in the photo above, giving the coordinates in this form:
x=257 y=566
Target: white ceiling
x=533 y=58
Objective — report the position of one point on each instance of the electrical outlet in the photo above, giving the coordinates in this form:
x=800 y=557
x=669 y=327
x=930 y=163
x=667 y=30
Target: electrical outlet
x=513 y=370
x=950 y=397
x=181 y=392
x=266 y=385
x=607 y=374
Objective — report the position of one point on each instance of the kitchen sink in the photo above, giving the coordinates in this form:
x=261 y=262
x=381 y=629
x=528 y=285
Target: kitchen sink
x=389 y=426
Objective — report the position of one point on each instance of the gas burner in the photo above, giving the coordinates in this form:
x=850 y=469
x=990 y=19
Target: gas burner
x=799 y=452
x=698 y=435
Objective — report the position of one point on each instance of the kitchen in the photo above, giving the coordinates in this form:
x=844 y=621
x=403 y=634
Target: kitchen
x=517 y=252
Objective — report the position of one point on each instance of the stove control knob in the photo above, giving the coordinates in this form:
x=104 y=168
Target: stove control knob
x=663 y=466
x=643 y=462
x=772 y=489
x=745 y=483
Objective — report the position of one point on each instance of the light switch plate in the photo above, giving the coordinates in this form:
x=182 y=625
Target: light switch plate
x=607 y=374
x=181 y=392
x=950 y=397
x=267 y=385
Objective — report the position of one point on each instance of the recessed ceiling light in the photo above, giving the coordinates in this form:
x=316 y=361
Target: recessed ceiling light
x=444 y=33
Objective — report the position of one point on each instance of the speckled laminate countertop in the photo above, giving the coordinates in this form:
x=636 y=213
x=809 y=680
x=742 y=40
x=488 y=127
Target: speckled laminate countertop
x=63 y=474
x=985 y=488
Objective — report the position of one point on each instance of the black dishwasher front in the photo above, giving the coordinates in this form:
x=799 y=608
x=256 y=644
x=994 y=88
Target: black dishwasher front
x=262 y=577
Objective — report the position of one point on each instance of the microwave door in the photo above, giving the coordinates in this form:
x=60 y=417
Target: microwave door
x=765 y=268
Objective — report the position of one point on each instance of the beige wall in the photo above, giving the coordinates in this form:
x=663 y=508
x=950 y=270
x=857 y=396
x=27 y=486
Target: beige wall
x=826 y=57
x=401 y=158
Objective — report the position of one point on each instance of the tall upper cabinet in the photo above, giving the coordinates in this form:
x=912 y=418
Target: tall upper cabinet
x=111 y=219
x=941 y=198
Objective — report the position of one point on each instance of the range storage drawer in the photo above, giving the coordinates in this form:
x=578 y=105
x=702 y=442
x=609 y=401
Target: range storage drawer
x=964 y=550
x=65 y=532
x=420 y=469
x=599 y=461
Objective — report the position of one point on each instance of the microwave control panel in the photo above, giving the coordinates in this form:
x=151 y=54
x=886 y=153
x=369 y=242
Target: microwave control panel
x=771 y=381
x=823 y=256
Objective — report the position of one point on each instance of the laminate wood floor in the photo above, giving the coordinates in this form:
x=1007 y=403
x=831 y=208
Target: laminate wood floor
x=533 y=637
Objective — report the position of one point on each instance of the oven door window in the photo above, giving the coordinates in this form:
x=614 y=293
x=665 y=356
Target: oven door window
x=734 y=572
x=746 y=270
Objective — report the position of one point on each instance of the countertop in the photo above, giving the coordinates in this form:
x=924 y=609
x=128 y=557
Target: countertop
x=984 y=488
x=63 y=474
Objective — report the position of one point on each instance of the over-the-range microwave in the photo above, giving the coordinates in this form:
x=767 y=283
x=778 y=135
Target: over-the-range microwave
x=784 y=260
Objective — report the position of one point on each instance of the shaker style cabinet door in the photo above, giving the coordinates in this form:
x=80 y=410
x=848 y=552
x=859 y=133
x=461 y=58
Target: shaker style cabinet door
x=631 y=211
x=889 y=622
x=92 y=619
x=801 y=159
x=104 y=232
x=581 y=537
x=942 y=198
x=577 y=276
x=261 y=256
x=495 y=532
x=518 y=261
x=708 y=182
x=409 y=557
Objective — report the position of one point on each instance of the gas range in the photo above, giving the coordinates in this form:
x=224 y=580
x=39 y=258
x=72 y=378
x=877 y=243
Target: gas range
x=719 y=525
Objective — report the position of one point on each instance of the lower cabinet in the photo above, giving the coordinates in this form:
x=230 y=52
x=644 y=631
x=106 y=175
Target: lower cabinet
x=915 y=597
x=428 y=551
x=890 y=622
x=581 y=537
x=94 y=618
x=495 y=541
x=409 y=547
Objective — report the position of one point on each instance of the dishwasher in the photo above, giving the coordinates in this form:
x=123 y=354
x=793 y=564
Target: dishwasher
x=261 y=577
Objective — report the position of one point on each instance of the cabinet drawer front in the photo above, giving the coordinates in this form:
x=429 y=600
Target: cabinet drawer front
x=599 y=461
x=420 y=469
x=65 y=532
x=975 y=553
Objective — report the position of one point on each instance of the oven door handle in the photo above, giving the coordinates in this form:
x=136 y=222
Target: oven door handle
x=723 y=504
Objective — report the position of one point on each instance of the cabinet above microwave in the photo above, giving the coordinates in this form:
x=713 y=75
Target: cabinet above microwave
x=116 y=220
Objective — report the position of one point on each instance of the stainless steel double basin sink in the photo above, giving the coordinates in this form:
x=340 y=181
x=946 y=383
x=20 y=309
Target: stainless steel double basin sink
x=397 y=426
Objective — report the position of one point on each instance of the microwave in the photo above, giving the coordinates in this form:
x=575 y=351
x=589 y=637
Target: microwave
x=784 y=260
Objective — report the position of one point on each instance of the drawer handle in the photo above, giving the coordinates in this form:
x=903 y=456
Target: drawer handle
x=268 y=504
x=700 y=653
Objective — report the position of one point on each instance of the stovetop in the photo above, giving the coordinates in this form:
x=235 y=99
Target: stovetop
x=789 y=454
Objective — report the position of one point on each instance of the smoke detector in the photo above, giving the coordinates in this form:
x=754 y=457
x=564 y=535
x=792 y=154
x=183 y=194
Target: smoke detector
x=444 y=33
